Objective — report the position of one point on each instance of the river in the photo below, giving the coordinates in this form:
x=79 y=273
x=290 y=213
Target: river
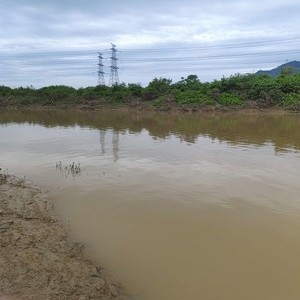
x=175 y=206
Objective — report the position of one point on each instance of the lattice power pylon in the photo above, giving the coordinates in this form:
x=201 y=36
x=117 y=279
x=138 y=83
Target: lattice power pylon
x=114 y=77
x=101 y=80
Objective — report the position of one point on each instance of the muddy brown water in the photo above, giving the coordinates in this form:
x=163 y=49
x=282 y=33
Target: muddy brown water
x=175 y=206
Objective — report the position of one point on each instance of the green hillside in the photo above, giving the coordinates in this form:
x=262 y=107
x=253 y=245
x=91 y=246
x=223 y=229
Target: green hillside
x=293 y=67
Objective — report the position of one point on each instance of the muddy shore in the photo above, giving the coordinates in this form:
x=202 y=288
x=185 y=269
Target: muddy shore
x=37 y=258
x=250 y=107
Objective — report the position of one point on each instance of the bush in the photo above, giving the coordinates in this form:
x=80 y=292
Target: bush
x=192 y=96
x=57 y=93
x=88 y=93
x=289 y=83
x=135 y=89
x=234 y=90
x=5 y=91
x=159 y=101
x=156 y=88
x=229 y=99
x=26 y=101
x=291 y=100
x=190 y=83
x=119 y=93
x=266 y=91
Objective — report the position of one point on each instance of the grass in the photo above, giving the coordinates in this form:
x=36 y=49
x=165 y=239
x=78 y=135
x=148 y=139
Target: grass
x=3 y=175
x=69 y=169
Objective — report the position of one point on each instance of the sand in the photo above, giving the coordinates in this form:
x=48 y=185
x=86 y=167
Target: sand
x=38 y=260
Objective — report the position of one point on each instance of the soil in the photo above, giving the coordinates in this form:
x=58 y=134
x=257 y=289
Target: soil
x=169 y=106
x=37 y=258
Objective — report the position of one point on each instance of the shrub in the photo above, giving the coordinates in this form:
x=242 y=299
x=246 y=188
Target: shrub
x=190 y=83
x=229 y=99
x=57 y=93
x=5 y=91
x=25 y=101
x=157 y=87
x=135 y=89
x=159 y=101
x=266 y=91
x=289 y=83
x=291 y=100
x=192 y=96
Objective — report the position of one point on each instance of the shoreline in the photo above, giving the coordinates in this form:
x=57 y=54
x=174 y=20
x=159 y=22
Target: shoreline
x=148 y=107
x=38 y=260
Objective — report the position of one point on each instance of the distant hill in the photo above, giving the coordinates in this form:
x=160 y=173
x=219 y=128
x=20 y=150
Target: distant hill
x=293 y=65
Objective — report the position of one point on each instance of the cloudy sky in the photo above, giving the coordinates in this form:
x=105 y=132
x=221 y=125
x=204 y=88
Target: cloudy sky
x=56 y=42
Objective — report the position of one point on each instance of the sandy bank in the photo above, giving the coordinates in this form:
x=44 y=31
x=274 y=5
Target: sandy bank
x=37 y=259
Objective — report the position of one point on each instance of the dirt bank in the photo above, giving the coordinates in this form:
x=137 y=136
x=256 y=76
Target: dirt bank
x=37 y=259
x=150 y=106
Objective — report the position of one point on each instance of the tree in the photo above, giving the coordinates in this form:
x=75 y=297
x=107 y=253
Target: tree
x=157 y=87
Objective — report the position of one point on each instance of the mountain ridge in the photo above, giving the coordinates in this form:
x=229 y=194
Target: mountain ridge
x=294 y=66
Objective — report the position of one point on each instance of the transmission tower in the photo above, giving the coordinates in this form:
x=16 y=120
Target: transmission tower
x=114 y=77
x=101 y=80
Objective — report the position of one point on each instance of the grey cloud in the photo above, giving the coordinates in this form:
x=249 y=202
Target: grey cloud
x=48 y=29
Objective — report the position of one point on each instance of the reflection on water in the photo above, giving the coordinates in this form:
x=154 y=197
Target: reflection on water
x=255 y=129
x=175 y=206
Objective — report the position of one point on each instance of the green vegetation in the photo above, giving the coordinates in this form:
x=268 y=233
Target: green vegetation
x=70 y=169
x=250 y=90
x=3 y=176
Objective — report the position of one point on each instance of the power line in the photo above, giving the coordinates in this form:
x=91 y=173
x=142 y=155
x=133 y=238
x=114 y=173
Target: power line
x=150 y=60
x=218 y=46
x=160 y=49
x=192 y=58
x=134 y=61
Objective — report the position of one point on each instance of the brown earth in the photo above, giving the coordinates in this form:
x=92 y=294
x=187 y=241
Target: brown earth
x=168 y=106
x=37 y=259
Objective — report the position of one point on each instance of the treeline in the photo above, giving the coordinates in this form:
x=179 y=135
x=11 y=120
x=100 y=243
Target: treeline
x=248 y=90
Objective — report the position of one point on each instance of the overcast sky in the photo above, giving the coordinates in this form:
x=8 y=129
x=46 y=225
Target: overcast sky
x=56 y=42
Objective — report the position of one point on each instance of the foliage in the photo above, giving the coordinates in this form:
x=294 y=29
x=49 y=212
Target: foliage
x=229 y=99
x=5 y=91
x=291 y=100
x=192 y=96
x=57 y=93
x=159 y=101
x=135 y=89
x=190 y=83
x=288 y=83
x=119 y=93
x=265 y=91
x=156 y=88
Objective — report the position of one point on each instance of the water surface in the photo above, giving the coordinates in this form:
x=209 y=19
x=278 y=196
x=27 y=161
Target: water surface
x=175 y=206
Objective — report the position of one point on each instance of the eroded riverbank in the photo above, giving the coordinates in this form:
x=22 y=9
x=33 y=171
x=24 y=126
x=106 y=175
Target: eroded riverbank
x=168 y=107
x=37 y=258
